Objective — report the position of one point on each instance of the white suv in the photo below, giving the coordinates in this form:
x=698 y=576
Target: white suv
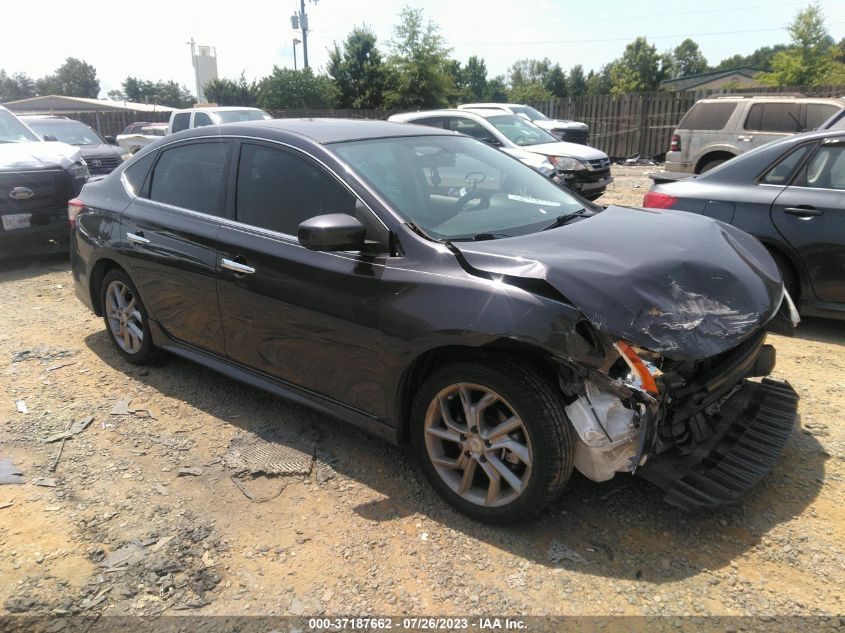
x=215 y=115
x=561 y=129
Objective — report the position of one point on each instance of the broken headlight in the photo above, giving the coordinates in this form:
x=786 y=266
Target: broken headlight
x=643 y=371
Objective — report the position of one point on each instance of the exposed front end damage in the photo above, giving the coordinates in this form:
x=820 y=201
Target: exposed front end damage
x=702 y=430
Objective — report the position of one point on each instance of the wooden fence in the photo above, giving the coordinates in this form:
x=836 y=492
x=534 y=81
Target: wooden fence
x=620 y=125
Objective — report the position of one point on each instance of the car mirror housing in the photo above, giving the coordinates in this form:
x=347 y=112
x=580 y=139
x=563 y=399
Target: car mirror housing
x=111 y=140
x=332 y=232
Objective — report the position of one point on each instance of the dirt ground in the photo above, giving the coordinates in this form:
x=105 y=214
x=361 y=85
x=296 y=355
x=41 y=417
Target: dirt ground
x=117 y=529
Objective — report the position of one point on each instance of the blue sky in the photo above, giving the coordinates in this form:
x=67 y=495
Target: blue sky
x=149 y=40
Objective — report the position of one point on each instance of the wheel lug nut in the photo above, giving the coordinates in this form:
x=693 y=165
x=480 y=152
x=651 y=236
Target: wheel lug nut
x=467 y=454
x=483 y=459
x=463 y=437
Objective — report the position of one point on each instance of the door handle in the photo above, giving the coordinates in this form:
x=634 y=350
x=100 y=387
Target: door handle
x=803 y=212
x=744 y=139
x=135 y=238
x=237 y=267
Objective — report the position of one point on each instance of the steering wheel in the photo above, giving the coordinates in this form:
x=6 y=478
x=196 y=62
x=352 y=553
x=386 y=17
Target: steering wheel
x=518 y=139
x=484 y=196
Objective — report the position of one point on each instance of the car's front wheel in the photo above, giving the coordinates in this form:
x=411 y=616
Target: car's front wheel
x=492 y=438
x=126 y=318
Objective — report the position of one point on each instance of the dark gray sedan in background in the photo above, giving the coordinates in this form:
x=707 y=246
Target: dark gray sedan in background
x=790 y=194
x=101 y=154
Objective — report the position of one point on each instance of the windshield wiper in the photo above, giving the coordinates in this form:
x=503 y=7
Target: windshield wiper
x=564 y=219
x=479 y=237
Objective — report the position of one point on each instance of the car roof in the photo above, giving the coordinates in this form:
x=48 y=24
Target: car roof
x=483 y=114
x=325 y=130
x=54 y=117
x=218 y=109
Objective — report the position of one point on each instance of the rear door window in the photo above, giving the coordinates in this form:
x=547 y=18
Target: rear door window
x=181 y=122
x=708 y=116
x=774 y=117
x=432 y=121
x=825 y=170
x=782 y=172
x=202 y=119
x=818 y=113
x=192 y=176
x=136 y=172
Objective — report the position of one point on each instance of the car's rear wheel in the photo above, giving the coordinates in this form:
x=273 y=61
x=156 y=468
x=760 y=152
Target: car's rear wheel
x=492 y=438
x=126 y=318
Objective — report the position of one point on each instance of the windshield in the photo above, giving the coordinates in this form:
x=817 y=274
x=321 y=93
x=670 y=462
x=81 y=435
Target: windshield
x=457 y=188
x=66 y=131
x=13 y=131
x=234 y=116
x=531 y=113
x=520 y=131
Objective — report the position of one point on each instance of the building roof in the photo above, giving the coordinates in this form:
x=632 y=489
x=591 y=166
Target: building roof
x=691 y=81
x=60 y=103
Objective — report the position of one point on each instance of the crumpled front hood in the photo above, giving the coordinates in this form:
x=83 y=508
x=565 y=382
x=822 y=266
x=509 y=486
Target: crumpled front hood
x=37 y=155
x=562 y=148
x=677 y=283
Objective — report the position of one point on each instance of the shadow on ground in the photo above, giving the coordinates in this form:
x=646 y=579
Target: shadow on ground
x=25 y=268
x=619 y=529
x=821 y=330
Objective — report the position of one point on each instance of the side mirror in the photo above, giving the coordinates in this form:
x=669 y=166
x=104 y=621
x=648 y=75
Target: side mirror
x=111 y=140
x=50 y=137
x=492 y=141
x=332 y=232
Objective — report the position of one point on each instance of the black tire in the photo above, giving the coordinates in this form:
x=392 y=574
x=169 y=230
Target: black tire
x=538 y=404
x=790 y=277
x=710 y=164
x=145 y=352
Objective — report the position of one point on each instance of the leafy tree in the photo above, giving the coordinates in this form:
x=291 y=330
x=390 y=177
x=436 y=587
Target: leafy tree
x=760 y=59
x=419 y=77
x=599 y=83
x=640 y=69
x=288 y=89
x=812 y=58
x=359 y=70
x=14 y=87
x=528 y=80
x=687 y=59
x=74 y=78
x=555 y=81
x=226 y=92
x=496 y=90
x=475 y=79
x=576 y=83
x=166 y=93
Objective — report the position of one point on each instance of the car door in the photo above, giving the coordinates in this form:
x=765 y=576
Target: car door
x=169 y=240
x=769 y=121
x=303 y=317
x=810 y=215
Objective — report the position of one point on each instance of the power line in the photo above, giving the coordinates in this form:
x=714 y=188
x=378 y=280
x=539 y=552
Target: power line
x=622 y=39
x=663 y=14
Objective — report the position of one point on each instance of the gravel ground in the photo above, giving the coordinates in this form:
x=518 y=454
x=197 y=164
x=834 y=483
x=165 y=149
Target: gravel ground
x=117 y=529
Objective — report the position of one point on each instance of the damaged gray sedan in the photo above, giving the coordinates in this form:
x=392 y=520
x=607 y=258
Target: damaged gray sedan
x=433 y=290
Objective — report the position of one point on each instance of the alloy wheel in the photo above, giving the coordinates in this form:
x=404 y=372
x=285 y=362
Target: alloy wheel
x=478 y=444
x=124 y=318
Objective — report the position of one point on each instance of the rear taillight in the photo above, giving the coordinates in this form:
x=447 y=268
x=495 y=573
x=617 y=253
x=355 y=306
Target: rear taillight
x=74 y=207
x=675 y=145
x=657 y=200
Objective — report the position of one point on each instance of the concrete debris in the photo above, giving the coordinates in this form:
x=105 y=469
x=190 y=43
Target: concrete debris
x=76 y=428
x=560 y=553
x=9 y=474
x=20 y=405
x=121 y=407
x=162 y=490
x=43 y=353
x=189 y=470
x=60 y=365
x=44 y=482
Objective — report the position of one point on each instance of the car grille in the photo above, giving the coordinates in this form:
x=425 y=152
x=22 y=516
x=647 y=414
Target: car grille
x=572 y=136
x=101 y=165
x=50 y=189
x=598 y=164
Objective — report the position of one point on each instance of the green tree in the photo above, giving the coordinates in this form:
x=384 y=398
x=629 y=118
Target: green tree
x=74 y=78
x=687 y=59
x=475 y=79
x=640 y=69
x=760 y=59
x=528 y=80
x=14 y=87
x=359 y=70
x=296 y=89
x=227 y=92
x=419 y=76
x=496 y=90
x=812 y=57
x=599 y=83
x=166 y=93
x=576 y=82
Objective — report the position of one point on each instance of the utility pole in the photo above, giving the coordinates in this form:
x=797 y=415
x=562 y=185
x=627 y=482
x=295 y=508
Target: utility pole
x=296 y=41
x=299 y=22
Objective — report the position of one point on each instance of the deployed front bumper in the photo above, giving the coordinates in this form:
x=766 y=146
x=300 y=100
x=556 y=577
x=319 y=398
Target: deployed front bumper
x=754 y=426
